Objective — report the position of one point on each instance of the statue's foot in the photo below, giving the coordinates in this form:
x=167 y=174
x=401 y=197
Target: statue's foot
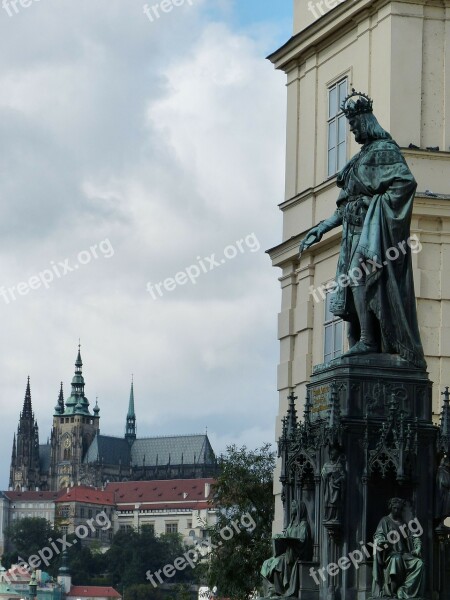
x=361 y=347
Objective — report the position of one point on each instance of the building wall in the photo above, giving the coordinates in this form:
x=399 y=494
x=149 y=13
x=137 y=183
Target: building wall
x=190 y=523
x=397 y=53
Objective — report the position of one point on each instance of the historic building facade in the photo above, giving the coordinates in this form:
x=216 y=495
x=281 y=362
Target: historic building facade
x=78 y=454
x=397 y=52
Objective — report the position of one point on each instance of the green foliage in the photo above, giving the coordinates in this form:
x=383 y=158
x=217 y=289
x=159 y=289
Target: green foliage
x=144 y=591
x=133 y=553
x=244 y=495
x=27 y=536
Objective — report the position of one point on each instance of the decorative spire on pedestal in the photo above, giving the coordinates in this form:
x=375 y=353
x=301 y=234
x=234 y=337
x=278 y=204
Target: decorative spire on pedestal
x=291 y=419
x=444 y=425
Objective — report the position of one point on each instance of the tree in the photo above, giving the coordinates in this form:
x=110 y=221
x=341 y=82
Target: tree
x=134 y=553
x=28 y=536
x=241 y=539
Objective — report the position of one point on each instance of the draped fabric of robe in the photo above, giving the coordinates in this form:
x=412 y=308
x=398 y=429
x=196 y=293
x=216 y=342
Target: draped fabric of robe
x=282 y=571
x=395 y=562
x=379 y=174
x=443 y=492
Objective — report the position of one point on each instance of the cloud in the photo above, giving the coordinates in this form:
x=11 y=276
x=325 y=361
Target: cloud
x=166 y=138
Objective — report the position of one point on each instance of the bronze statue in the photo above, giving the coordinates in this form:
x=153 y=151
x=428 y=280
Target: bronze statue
x=333 y=479
x=374 y=288
x=398 y=570
x=295 y=544
x=443 y=490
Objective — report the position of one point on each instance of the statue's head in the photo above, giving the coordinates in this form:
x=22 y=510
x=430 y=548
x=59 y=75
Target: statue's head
x=358 y=108
x=298 y=509
x=335 y=452
x=396 y=506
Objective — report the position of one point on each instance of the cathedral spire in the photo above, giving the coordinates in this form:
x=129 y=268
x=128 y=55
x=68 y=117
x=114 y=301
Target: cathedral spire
x=77 y=402
x=27 y=411
x=130 y=427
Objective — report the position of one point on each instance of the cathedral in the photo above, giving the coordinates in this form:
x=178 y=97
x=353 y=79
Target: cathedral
x=77 y=454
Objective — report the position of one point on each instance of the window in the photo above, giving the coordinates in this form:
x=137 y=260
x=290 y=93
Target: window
x=171 y=527
x=337 y=128
x=65 y=529
x=64 y=512
x=333 y=333
x=81 y=513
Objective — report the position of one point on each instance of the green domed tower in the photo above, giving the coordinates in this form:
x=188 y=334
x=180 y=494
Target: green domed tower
x=74 y=428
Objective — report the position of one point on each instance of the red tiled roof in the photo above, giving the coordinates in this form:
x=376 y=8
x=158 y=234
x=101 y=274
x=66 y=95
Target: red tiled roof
x=17 y=573
x=86 y=494
x=28 y=496
x=93 y=591
x=188 y=493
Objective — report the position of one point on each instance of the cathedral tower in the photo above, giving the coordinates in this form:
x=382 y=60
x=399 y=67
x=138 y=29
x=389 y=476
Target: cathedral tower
x=24 y=472
x=74 y=428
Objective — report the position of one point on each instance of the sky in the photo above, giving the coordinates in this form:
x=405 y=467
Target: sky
x=141 y=165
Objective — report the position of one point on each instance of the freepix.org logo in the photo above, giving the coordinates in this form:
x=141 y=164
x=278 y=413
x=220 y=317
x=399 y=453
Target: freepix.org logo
x=317 y=8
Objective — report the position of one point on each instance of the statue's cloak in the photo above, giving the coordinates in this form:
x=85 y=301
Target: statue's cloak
x=379 y=172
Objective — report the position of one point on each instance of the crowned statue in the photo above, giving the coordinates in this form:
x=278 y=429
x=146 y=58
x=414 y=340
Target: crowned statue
x=374 y=288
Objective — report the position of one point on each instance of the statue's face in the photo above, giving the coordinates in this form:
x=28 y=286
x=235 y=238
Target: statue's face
x=356 y=129
x=397 y=510
x=334 y=454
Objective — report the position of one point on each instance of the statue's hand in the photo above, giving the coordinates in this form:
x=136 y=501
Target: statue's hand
x=313 y=236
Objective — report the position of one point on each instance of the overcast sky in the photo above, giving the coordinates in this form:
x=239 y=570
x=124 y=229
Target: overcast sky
x=133 y=150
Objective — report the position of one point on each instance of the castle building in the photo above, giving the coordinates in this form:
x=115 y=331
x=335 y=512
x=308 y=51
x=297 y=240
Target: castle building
x=77 y=454
x=397 y=53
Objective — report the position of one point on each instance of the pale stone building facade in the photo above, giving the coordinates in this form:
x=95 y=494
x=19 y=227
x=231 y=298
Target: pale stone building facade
x=398 y=53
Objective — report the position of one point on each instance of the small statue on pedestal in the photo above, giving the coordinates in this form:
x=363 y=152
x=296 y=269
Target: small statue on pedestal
x=443 y=491
x=398 y=570
x=333 y=479
x=281 y=571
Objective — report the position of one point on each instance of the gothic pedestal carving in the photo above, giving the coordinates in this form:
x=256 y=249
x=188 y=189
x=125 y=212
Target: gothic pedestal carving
x=366 y=438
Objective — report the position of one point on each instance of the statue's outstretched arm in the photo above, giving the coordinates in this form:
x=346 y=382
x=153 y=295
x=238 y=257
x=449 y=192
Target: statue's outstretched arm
x=315 y=234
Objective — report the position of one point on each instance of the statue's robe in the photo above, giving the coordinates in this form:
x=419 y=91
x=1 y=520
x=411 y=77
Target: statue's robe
x=380 y=174
x=333 y=478
x=397 y=563
x=282 y=571
x=443 y=492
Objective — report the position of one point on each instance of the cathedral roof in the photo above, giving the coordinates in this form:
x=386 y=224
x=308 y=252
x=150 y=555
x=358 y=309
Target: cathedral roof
x=175 y=450
x=111 y=450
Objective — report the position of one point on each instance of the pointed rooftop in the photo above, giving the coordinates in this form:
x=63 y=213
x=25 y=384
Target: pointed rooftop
x=77 y=403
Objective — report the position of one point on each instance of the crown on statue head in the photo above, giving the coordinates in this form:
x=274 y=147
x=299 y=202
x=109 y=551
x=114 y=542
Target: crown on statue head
x=363 y=105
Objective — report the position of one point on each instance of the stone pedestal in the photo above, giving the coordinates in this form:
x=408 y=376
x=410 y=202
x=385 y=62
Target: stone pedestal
x=366 y=436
